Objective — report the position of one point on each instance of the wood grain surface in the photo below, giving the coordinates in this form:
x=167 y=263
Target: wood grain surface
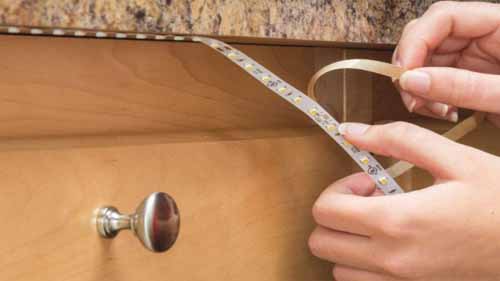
x=86 y=122
x=245 y=208
x=484 y=138
x=68 y=86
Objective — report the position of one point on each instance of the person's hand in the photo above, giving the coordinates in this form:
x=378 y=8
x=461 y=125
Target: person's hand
x=454 y=50
x=447 y=232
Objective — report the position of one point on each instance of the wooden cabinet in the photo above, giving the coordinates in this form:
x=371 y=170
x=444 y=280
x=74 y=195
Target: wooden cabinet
x=86 y=123
x=91 y=122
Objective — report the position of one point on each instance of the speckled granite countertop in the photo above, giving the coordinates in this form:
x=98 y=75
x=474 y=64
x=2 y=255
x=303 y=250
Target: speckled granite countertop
x=354 y=21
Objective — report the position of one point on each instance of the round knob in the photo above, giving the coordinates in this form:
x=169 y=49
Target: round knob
x=155 y=222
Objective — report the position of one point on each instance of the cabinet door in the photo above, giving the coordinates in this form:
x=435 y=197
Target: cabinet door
x=245 y=208
x=87 y=123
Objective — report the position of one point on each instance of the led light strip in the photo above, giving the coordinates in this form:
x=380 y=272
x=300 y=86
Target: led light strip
x=394 y=72
x=289 y=93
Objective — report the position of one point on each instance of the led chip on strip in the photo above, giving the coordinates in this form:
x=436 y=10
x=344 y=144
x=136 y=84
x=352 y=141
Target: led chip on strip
x=13 y=29
x=80 y=33
x=36 y=31
x=58 y=32
x=331 y=128
x=313 y=111
x=101 y=34
x=346 y=143
x=297 y=99
x=266 y=78
x=214 y=45
x=364 y=160
x=231 y=55
x=248 y=66
x=282 y=90
x=383 y=181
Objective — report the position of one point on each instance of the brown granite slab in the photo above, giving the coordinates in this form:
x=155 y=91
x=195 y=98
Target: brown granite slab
x=359 y=21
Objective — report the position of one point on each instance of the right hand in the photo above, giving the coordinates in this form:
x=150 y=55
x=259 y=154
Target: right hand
x=453 y=54
x=446 y=232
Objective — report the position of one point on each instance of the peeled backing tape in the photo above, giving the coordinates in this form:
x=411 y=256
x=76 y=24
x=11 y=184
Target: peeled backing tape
x=394 y=72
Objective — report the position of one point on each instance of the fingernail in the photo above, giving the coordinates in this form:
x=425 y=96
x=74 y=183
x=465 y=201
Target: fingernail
x=397 y=63
x=353 y=129
x=409 y=101
x=415 y=81
x=444 y=110
x=438 y=108
x=453 y=117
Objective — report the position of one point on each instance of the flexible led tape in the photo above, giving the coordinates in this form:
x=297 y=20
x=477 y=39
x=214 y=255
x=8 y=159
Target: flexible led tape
x=394 y=72
x=306 y=104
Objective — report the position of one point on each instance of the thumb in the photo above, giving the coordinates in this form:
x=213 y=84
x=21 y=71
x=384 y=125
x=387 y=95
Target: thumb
x=343 y=206
x=459 y=87
x=442 y=157
x=359 y=184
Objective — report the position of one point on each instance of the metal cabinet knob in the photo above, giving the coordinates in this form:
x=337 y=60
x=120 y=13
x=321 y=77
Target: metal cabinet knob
x=156 y=222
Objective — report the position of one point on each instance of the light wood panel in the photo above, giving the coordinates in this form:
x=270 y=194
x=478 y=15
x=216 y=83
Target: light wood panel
x=371 y=97
x=330 y=90
x=68 y=86
x=245 y=207
x=484 y=138
x=91 y=122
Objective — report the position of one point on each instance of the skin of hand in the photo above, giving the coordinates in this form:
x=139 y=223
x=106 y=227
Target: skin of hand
x=453 y=52
x=447 y=232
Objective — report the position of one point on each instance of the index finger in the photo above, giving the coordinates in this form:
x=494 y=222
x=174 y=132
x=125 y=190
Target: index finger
x=442 y=20
x=443 y=158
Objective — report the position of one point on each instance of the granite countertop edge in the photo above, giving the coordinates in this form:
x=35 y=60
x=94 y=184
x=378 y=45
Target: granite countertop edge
x=342 y=21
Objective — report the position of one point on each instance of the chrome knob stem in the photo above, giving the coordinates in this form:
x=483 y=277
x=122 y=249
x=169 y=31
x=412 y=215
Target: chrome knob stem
x=156 y=222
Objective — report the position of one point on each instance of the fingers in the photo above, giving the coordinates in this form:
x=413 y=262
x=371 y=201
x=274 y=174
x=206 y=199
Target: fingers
x=396 y=58
x=341 y=247
x=440 y=109
x=443 y=60
x=339 y=209
x=443 y=20
x=346 y=273
x=411 y=102
x=358 y=184
x=494 y=119
x=452 y=114
x=443 y=158
x=459 y=87
x=452 y=45
x=437 y=38
x=418 y=104
x=470 y=60
x=429 y=108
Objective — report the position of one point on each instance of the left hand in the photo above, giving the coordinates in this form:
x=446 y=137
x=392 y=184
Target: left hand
x=447 y=232
x=453 y=52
